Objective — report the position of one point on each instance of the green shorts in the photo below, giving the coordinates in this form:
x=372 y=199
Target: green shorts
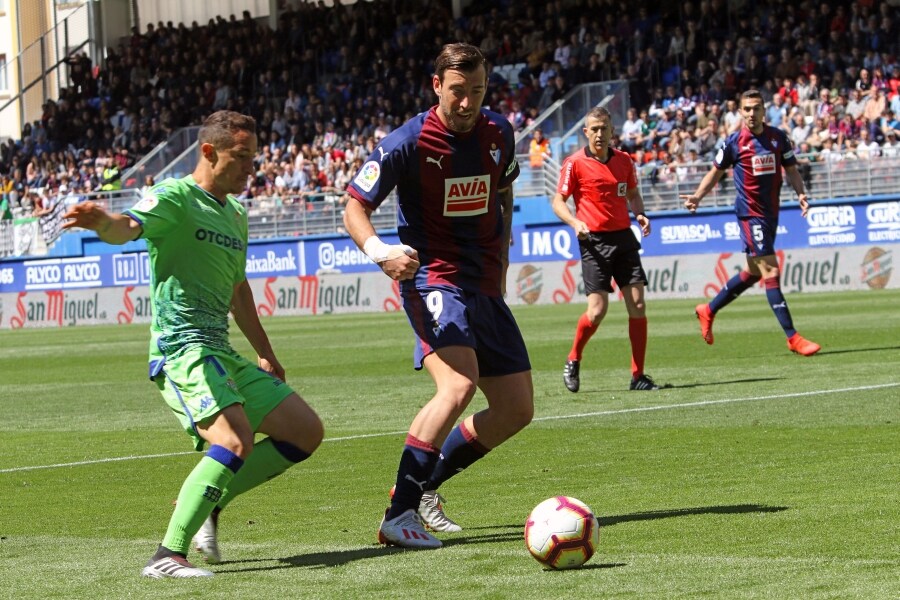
x=201 y=382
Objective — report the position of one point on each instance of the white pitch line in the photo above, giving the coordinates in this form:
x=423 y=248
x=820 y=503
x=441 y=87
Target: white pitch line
x=712 y=402
x=601 y=413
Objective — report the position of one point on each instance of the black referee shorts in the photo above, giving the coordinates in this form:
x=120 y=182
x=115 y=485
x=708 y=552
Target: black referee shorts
x=608 y=256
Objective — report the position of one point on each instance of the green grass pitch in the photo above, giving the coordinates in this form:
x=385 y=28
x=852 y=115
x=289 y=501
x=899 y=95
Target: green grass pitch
x=757 y=474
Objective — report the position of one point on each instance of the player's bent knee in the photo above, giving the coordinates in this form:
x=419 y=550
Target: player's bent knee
x=238 y=445
x=314 y=434
x=458 y=392
x=522 y=415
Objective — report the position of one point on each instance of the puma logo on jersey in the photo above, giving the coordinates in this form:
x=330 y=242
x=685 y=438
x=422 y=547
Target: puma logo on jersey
x=421 y=484
x=466 y=196
x=435 y=161
x=747 y=147
x=382 y=152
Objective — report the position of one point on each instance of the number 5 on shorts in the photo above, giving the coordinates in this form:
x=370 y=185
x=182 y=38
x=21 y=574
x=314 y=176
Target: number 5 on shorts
x=758 y=233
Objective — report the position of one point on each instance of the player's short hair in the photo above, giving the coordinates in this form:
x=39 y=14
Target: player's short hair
x=751 y=95
x=219 y=128
x=459 y=57
x=598 y=112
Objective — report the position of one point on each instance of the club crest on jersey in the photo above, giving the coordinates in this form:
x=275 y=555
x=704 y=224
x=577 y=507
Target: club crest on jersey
x=620 y=190
x=466 y=196
x=368 y=176
x=763 y=164
x=495 y=154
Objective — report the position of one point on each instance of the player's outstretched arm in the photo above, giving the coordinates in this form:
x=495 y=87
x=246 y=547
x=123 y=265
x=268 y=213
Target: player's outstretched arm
x=399 y=261
x=113 y=228
x=243 y=307
x=692 y=201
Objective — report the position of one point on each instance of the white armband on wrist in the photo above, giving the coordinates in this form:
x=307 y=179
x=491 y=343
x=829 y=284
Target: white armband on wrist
x=379 y=252
x=376 y=249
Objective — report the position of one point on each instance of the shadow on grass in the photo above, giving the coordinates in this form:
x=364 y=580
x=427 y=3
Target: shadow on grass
x=340 y=557
x=709 y=383
x=672 y=386
x=684 y=512
x=855 y=350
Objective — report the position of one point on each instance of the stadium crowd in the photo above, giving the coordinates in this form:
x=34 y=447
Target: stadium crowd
x=329 y=83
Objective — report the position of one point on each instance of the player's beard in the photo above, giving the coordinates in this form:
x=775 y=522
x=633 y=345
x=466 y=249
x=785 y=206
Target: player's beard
x=459 y=124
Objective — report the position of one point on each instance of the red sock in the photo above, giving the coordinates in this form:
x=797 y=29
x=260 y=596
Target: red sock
x=583 y=332
x=637 y=332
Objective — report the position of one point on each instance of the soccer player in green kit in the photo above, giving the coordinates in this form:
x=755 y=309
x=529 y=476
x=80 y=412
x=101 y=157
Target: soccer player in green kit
x=196 y=237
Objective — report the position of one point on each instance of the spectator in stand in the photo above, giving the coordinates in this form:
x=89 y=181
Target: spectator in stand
x=855 y=104
x=632 y=131
x=776 y=113
x=659 y=136
x=789 y=92
x=875 y=105
x=800 y=129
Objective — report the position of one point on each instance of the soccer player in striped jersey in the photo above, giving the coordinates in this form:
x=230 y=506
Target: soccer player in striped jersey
x=603 y=184
x=453 y=167
x=757 y=154
x=196 y=234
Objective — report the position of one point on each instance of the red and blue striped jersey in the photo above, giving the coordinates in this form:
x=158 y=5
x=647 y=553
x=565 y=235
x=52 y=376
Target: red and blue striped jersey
x=447 y=186
x=757 y=162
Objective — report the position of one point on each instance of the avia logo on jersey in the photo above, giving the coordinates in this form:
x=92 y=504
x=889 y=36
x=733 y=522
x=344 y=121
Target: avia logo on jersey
x=763 y=164
x=466 y=196
x=688 y=234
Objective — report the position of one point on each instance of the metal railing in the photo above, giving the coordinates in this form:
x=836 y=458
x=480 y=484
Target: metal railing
x=661 y=185
x=40 y=67
x=565 y=113
x=323 y=213
x=173 y=158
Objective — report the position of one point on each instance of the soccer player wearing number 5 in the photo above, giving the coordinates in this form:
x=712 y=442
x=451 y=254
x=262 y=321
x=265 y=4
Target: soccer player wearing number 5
x=196 y=235
x=453 y=167
x=757 y=153
x=603 y=183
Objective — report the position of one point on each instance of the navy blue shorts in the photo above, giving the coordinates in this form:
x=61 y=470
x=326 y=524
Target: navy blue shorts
x=443 y=316
x=758 y=235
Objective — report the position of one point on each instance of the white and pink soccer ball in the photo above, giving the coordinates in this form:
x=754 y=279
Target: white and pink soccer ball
x=562 y=533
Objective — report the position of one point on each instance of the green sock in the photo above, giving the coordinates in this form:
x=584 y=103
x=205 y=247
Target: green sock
x=265 y=462
x=199 y=494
